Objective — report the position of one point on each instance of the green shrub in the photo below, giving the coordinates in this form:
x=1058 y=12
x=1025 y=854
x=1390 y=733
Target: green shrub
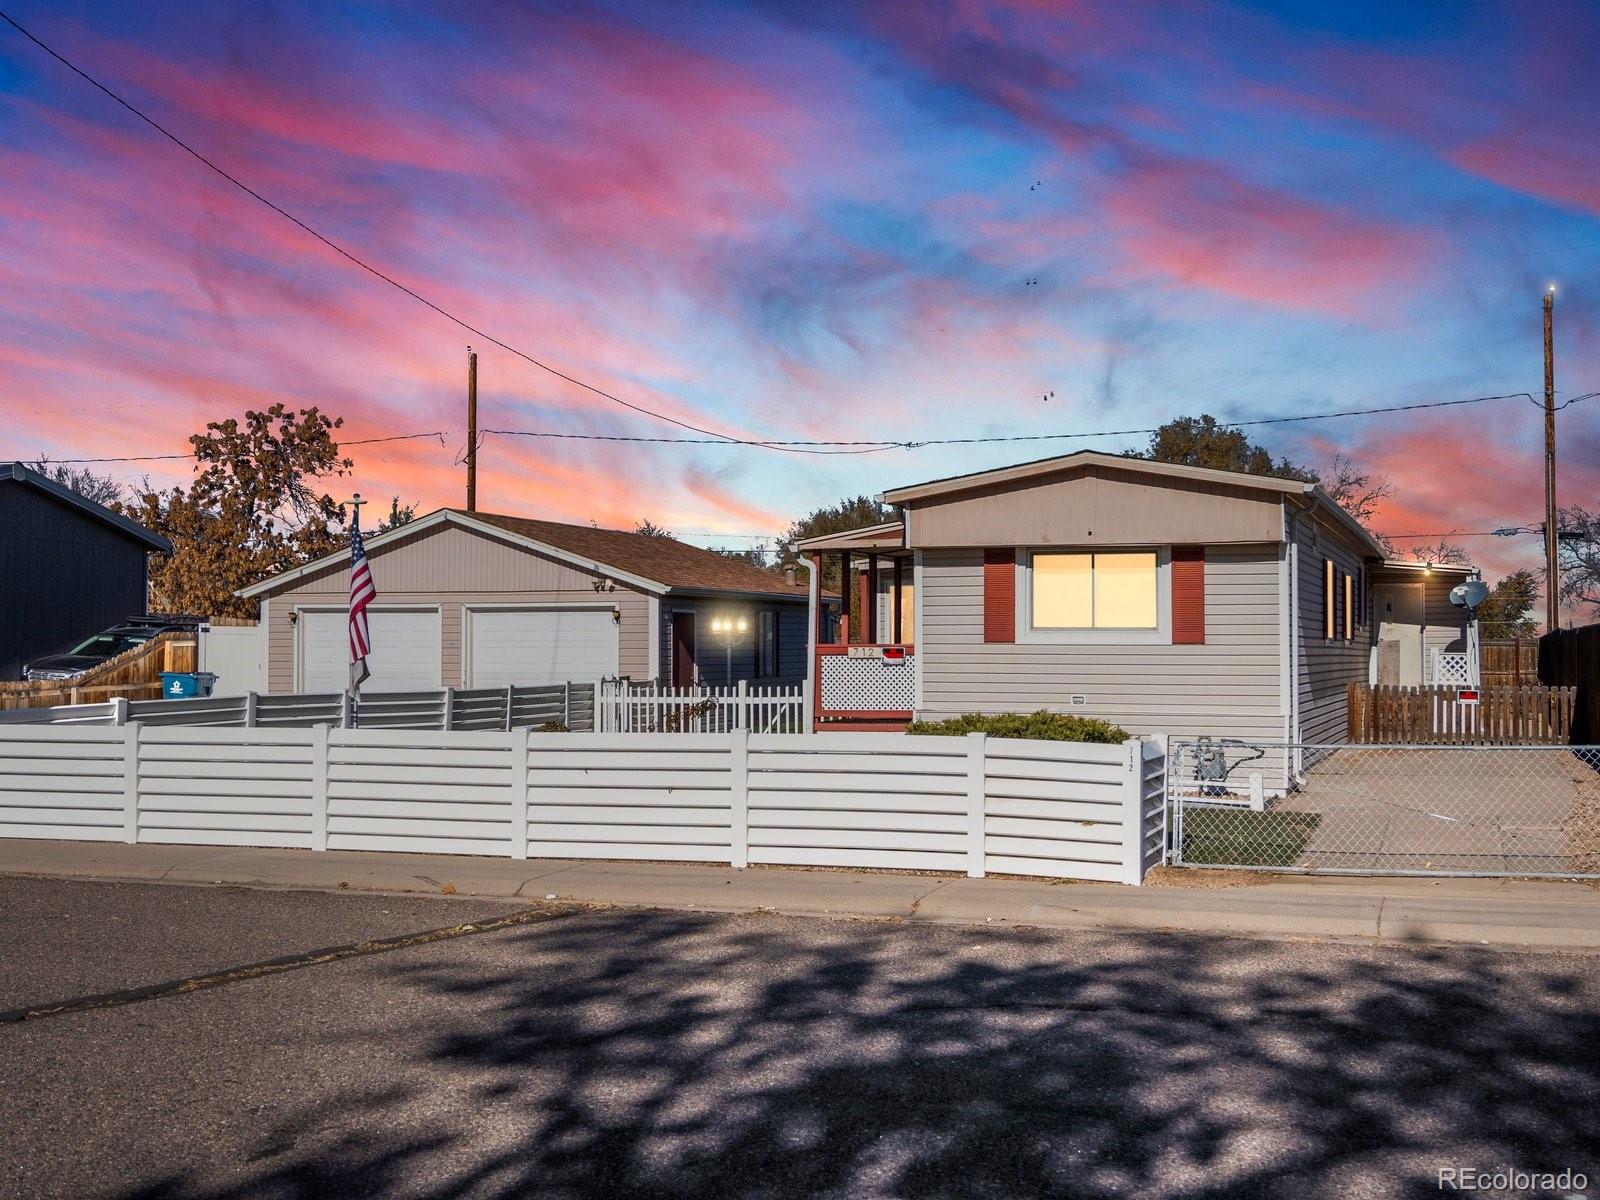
x=1042 y=725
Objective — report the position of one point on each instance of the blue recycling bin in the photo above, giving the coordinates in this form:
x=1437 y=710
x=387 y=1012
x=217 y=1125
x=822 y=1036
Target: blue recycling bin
x=186 y=685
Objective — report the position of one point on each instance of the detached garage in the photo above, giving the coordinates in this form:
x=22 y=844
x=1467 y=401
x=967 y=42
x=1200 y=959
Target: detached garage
x=478 y=600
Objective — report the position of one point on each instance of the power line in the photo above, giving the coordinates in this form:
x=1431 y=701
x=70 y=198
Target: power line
x=73 y=462
x=1030 y=437
x=353 y=258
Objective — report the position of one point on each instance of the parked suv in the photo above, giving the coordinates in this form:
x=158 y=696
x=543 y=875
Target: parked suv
x=103 y=647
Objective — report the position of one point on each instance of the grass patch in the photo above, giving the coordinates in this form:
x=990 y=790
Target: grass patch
x=1254 y=839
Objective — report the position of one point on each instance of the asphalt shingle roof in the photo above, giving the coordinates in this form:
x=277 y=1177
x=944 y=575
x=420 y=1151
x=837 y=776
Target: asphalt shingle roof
x=664 y=560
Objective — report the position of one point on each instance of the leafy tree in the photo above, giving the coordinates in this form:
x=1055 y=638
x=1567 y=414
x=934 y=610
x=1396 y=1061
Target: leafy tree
x=757 y=556
x=102 y=489
x=1203 y=442
x=648 y=528
x=398 y=515
x=256 y=507
x=853 y=512
x=1508 y=610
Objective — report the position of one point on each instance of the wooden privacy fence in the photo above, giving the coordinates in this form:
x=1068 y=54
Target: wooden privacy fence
x=1509 y=662
x=1503 y=716
x=132 y=675
x=1571 y=658
x=967 y=804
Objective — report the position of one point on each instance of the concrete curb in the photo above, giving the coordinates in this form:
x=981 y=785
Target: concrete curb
x=1508 y=913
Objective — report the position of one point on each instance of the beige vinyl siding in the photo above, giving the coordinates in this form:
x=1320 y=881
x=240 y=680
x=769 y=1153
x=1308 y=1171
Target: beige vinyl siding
x=1231 y=685
x=452 y=567
x=1097 y=506
x=1326 y=668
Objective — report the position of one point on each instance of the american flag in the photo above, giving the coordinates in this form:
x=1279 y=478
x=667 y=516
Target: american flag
x=362 y=593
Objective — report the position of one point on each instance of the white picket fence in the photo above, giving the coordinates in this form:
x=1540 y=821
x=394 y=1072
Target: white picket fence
x=968 y=804
x=626 y=707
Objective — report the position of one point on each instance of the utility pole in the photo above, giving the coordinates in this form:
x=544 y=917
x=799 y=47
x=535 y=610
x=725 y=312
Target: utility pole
x=1552 y=576
x=472 y=428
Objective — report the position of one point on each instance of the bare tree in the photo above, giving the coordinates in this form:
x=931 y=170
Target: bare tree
x=1578 y=554
x=102 y=489
x=1357 y=491
x=1445 y=553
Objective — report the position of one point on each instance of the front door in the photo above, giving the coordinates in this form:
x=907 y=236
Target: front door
x=1400 y=619
x=682 y=649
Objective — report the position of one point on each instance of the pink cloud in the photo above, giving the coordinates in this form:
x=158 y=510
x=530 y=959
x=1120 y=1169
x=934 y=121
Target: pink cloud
x=1197 y=224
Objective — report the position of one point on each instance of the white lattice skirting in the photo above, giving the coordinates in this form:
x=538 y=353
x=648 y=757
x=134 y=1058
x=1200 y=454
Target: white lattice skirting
x=869 y=684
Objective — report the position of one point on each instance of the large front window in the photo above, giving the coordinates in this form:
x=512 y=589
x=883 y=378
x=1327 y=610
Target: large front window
x=1113 y=589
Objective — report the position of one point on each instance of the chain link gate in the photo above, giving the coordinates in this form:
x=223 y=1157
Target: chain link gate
x=1524 y=811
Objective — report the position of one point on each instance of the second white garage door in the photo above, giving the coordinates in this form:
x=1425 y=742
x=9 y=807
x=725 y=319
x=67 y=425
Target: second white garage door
x=527 y=646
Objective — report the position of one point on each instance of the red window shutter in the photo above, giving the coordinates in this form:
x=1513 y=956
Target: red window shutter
x=999 y=595
x=1188 y=595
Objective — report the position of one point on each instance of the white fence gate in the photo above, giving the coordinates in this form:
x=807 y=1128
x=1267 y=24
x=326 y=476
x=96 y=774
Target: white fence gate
x=968 y=804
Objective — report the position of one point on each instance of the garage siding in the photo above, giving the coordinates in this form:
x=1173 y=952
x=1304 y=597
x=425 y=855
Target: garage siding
x=482 y=570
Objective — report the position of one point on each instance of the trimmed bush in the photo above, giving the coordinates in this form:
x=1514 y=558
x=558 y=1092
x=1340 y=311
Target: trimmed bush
x=1042 y=725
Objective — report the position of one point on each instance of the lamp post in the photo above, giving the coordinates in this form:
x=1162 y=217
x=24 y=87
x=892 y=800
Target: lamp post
x=729 y=627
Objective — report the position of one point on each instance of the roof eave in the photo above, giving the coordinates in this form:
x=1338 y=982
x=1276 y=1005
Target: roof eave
x=1049 y=466
x=153 y=541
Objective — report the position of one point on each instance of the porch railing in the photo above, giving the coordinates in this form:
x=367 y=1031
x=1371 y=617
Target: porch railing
x=866 y=681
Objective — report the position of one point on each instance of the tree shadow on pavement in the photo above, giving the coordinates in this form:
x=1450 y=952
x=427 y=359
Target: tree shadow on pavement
x=676 y=1055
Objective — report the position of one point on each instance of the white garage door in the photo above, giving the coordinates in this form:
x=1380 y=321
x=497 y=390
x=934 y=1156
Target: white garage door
x=526 y=646
x=404 y=658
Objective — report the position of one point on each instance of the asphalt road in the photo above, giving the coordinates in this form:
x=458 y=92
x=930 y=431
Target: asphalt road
x=615 y=1053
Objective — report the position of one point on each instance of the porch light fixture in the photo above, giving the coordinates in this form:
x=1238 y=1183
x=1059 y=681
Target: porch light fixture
x=729 y=627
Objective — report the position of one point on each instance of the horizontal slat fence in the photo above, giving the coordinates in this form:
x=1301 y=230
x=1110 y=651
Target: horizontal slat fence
x=965 y=804
x=570 y=705
x=1502 y=716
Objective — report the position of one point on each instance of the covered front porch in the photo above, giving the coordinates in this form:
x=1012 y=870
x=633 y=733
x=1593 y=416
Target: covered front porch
x=863 y=665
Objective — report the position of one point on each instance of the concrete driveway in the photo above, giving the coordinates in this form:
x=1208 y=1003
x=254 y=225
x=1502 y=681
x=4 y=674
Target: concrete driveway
x=1518 y=810
x=608 y=1053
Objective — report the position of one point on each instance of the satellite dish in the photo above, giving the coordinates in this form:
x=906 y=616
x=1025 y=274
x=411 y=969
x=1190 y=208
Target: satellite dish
x=1469 y=595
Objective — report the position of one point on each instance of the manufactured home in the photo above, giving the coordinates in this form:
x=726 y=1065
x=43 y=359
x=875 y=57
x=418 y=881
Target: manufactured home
x=1164 y=598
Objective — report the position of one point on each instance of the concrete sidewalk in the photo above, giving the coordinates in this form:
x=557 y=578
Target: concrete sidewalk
x=1478 y=911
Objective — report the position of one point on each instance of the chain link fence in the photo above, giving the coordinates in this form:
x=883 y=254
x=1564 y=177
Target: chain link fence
x=1523 y=811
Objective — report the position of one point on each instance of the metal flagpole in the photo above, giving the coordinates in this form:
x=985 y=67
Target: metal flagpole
x=361 y=593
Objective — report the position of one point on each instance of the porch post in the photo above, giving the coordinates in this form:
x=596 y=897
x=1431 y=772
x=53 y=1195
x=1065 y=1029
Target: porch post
x=869 y=616
x=899 y=600
x=845 y=588
x=813 y=680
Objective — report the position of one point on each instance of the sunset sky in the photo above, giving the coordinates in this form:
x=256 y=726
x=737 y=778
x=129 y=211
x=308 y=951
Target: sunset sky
x=810 y=221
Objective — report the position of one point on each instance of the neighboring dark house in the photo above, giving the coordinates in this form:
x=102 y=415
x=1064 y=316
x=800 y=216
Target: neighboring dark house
x=68 y=567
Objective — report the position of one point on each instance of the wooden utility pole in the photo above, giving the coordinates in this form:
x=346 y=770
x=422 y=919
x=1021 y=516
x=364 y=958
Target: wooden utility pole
x=1552 y=575
x=472 y=431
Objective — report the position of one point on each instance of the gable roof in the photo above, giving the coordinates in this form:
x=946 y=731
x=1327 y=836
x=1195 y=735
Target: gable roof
x=17 y=473
x=652 y=564
x=1022 y=472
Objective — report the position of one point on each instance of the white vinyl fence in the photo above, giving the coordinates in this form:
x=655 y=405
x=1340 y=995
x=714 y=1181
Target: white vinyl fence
x=627 y=707
x=967 y=804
